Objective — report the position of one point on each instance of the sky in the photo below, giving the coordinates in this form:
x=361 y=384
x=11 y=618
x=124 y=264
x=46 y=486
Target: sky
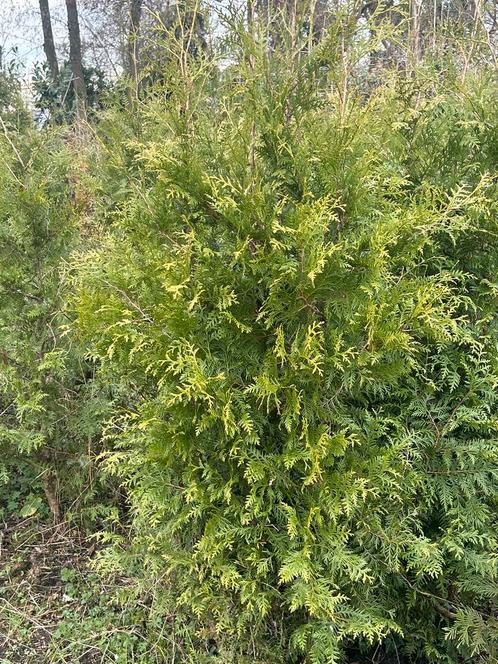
x=21 y=36
x=20 y=28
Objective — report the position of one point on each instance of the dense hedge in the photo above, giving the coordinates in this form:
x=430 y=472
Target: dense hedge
x=248 y=336
x=301 y=296
x=51 y=409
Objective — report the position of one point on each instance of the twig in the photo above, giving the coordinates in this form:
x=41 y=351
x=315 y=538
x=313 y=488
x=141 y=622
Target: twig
x=9 y=140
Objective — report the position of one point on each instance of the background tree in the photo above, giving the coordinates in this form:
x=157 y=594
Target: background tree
x=133 y=40
x=48 y=40
x=75 y=58
x=56 y=100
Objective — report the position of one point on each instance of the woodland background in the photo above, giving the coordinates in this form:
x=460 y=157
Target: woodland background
x=248 y=332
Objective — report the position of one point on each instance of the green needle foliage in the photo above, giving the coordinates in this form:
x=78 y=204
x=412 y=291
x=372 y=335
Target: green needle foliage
x=299 y=292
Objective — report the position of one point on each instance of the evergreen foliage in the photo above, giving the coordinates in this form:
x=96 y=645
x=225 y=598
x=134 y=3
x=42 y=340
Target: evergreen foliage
x=12 y=109
x=249 y=344
x=50 y=407
x=298 y=291
x=56 y=100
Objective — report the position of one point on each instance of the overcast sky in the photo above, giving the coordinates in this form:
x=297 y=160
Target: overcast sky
x=21 y=36
x=20 y=27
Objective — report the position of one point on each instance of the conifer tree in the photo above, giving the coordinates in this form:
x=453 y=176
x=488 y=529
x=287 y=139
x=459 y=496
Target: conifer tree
x=50 y=409
x=299 y=291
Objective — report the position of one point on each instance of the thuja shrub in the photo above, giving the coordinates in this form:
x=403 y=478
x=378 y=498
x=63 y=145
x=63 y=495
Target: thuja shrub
x=50 y=408
x=306 y=324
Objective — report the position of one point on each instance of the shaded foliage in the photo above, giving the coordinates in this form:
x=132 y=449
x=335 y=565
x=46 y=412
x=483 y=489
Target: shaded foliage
x=56 y=101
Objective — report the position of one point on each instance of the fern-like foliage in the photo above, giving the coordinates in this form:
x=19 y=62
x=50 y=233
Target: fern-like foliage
x=301 y=300
x=50 y=409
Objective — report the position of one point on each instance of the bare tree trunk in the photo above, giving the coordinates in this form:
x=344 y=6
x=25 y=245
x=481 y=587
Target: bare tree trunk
x=318 y=20
x=416 y=45
x=414 y=49
x=49 y=487
x=135 y=16
x=48 y=40
x=75 y=58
